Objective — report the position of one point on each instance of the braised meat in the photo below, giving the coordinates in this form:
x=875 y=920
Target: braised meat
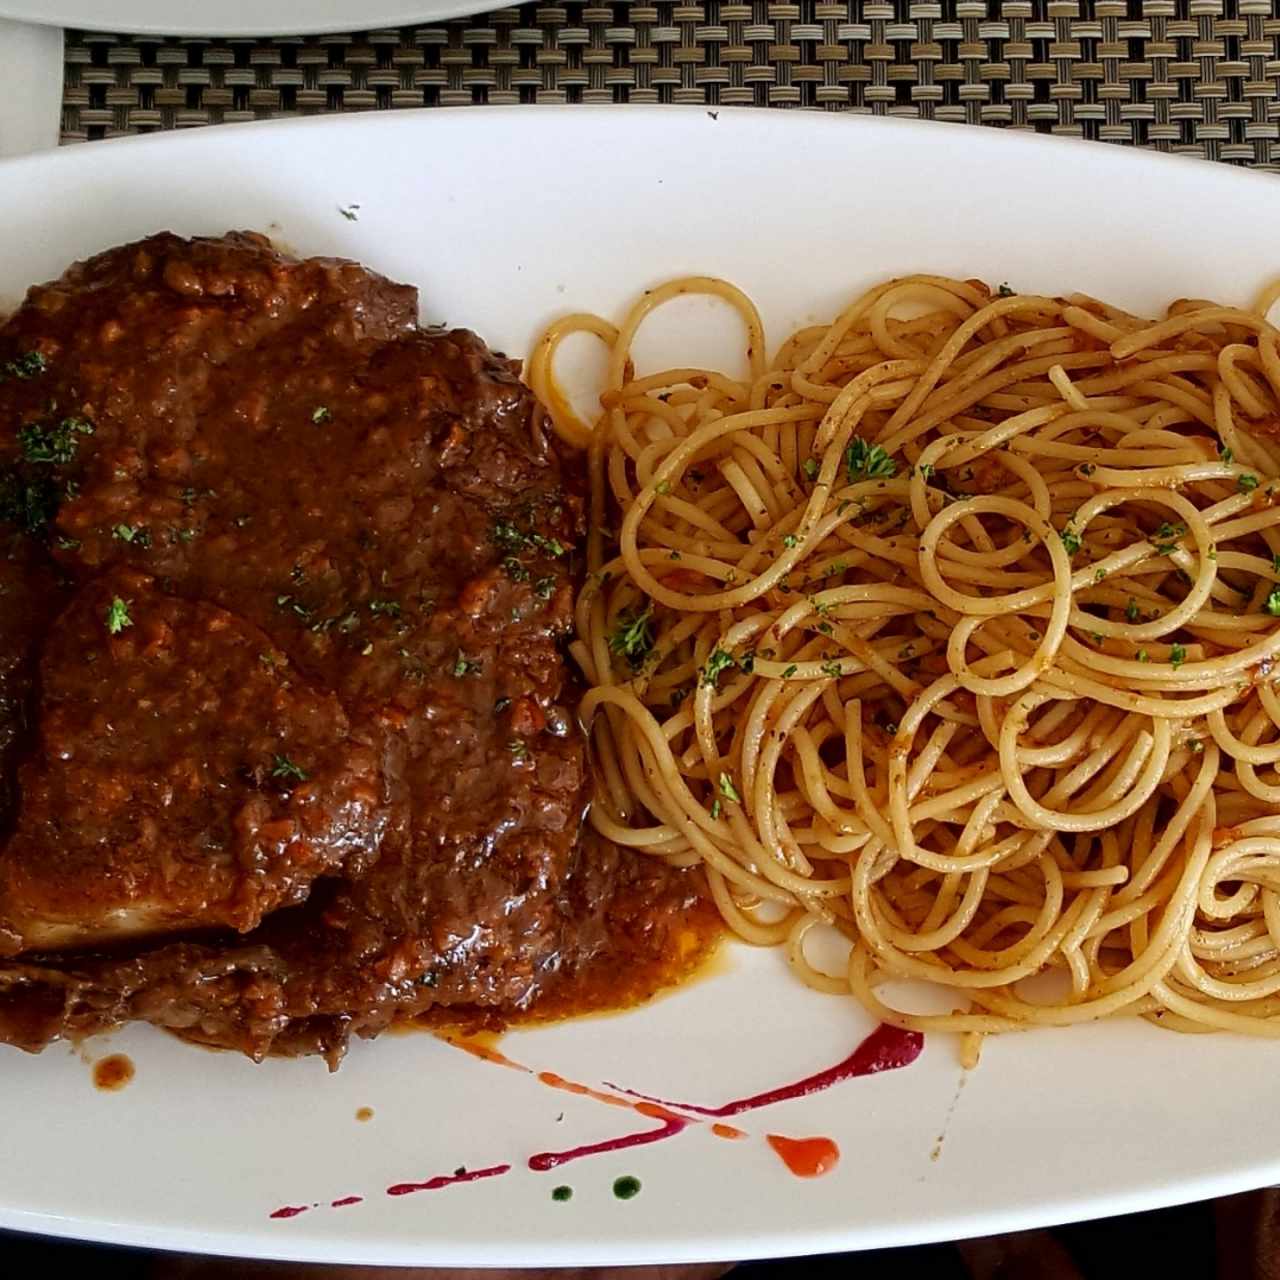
x=287 y=745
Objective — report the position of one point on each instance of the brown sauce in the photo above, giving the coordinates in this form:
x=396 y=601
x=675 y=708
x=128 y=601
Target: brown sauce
x=287 y=744
x=112 y=1073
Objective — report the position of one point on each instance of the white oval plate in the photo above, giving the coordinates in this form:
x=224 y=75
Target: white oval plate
x=506 y=218
x=236 y=17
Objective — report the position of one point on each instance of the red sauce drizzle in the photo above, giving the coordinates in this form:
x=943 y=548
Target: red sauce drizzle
x=670 y=1126
x=885 y=1049
x=346 y=1200
x=447 y=1180
x=806 y=1157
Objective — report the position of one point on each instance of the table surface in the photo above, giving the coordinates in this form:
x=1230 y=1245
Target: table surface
x=1197 y=77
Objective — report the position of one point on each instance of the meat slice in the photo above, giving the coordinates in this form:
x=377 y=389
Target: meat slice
x=347 y=549
x=185 y=777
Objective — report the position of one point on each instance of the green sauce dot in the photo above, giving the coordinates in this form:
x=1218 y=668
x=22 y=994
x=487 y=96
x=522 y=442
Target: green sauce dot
x=626 y=1188
x=562 y=1193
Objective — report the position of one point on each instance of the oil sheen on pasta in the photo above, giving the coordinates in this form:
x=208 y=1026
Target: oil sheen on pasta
x=951 y=627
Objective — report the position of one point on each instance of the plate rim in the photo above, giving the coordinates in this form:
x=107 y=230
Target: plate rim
x=388 y=15
x=953 y=1223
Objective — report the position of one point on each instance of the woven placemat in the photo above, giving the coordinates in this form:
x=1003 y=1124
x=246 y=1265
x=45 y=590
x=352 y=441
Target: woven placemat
x=1200 y=77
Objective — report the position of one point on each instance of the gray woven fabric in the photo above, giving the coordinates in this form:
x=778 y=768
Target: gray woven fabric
x=1194 y=76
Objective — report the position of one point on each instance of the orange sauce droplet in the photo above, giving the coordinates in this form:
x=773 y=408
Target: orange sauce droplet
x=365 y=1113
x=113 y=1073
x=727 y=1131
x=806 y=1157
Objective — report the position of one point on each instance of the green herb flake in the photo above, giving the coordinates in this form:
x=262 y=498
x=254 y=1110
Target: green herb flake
x=626 y=1188
x=283 y=767
x=519 y=749
x=321 y=414
x=385 y=608
x=1131 y=610
x=137 y=535
x=1143 y=656
x=632 y=636
x=790 y=540
x=1099 y=575
x=725 y=785
x=789 y=671
x=1177 y=656
x=811 y=467
x=662 y=488
x=718 y=661
x=463 y=666
x=1004 y=291
x=118 y=616
x=1246 y=483
x=561 y=1194
x=28 y=365
x=1226 y=455
x=715 y=809
x=868 y=461
x=53 y=444
x=544 y=588
x=1273 y=603
x=1070 y=540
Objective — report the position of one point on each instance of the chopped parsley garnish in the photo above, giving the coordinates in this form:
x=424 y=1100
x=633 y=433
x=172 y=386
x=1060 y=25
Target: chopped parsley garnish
x=1166 y=536
x=544 y=588
x=53 y=443
x=632 y=636
x=462 y=665
x=868 y=461
x=138 y=534
x=790 y=540
x=715 y=808
x=552 y=546
x=385 y=608
x=662 y=488
x=718 y=661
x=1143 y=656
x=727 y=789
x=1177 y=656
x=1131 y=610
x=1226 y=455
x=28 y=365
x=1004 y=291
x=926 y=470
x=748 y=661
x=811 y=467
x=1070 y=540
x=831 y=669
x=117 y=618
x=1246 y=483
x=321 y=414
x=789 y=672
x=1099 y=575
x=283 y=767
x=511 y=538
x=1273 y=603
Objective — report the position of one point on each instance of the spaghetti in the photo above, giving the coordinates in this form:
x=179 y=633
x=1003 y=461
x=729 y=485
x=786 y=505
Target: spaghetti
x=952 y=628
